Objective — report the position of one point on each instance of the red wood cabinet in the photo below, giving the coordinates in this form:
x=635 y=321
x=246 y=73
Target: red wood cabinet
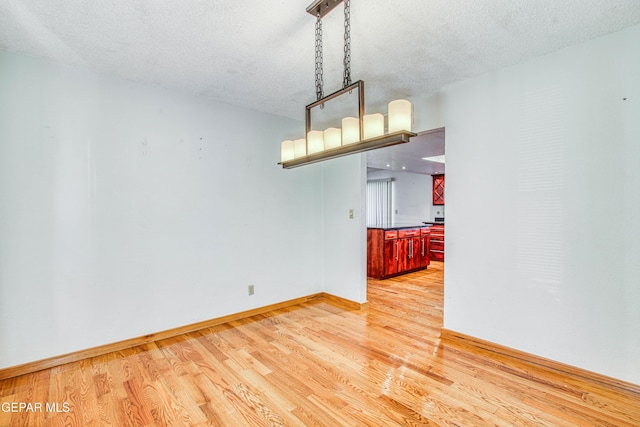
x=438 y=189
x=409 y=254
x=390 y=260
x=437 y=243
x=425 y=247
x=393 y=252
x=382 y=252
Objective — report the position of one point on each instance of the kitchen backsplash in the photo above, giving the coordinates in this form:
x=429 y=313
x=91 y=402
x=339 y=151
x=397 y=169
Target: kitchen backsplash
x=436 y=212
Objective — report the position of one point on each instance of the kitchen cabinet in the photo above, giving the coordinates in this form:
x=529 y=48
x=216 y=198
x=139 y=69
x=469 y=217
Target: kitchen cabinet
x=437 y=243
x=409 y=249
x=438 y=189
x=391 y=252
x=425 y=247
x=382 y=252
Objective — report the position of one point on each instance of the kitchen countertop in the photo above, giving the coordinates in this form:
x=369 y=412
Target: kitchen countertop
x=401 y=226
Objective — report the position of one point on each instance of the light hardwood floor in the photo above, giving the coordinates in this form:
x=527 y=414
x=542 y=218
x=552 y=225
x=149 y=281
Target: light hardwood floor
x=318 y=365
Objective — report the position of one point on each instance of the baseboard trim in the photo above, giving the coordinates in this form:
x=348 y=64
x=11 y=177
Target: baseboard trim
x=28 y=368
x=343 y=302
x=583 y=374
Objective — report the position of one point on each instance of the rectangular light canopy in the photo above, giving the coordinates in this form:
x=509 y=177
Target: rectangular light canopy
x=322 y=7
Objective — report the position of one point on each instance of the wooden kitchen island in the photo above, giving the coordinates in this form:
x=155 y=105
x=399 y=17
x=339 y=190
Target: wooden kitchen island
x=396 y=250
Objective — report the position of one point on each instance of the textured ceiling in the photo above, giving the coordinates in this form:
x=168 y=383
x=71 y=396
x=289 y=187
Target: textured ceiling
x=259 y=54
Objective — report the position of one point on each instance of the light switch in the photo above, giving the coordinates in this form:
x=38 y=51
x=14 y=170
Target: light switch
x=350 y=213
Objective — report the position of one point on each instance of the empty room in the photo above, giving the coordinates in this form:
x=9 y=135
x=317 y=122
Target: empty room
x=207 y=218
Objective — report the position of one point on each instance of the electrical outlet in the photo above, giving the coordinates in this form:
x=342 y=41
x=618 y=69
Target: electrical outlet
x=251 y=290
x=350 y=213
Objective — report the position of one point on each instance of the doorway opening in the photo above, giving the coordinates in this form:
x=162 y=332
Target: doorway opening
x=413 y=175
x=412 y=189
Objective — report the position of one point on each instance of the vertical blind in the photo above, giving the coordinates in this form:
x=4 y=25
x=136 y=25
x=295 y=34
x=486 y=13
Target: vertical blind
x=379 y=202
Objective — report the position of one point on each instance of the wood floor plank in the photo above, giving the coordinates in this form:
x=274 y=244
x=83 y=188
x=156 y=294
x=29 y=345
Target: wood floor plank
x=218 y=409
x=319 y=364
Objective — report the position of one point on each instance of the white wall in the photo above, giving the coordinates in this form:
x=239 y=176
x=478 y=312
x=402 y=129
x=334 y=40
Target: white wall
x=412 y=196
x=127 y=210
x=553 y=268
x=345 y=239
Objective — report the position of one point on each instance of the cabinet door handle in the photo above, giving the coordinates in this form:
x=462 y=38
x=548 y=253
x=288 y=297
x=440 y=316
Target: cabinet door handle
x=397 y=250
x=422 y=250
x=410 y=248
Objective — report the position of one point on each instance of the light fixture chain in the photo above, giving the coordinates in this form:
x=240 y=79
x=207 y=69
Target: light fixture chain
x=319 y=77
x=347 y=44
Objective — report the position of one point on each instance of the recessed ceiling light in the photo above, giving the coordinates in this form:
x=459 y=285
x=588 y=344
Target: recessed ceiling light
x=437 y=159
x=388 y=165
x=404 y=168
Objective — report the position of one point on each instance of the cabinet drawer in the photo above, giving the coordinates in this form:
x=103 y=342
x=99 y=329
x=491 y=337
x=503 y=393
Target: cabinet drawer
x=410 y=232
x=390 y=235
x=437 y=233
x=437 y=246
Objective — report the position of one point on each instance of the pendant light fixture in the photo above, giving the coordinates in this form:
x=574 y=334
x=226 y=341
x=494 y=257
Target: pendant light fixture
x=357 y=134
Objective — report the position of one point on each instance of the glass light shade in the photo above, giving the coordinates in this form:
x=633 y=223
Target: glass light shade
x=300 y=147
x=400 y=116
x=286 y=151
x=373 y=125
x=315 y=140
x=332 y=138
x=350 y=130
